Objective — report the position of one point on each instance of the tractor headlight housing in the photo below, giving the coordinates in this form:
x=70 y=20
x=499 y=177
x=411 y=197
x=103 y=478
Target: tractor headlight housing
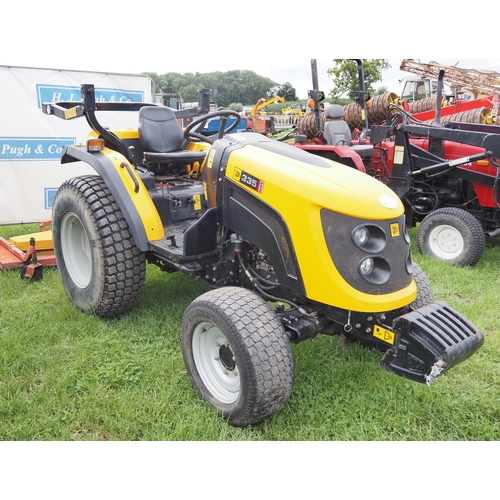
x=375 y=259
x=366 y=266
x=369 y=238
x=375 y=270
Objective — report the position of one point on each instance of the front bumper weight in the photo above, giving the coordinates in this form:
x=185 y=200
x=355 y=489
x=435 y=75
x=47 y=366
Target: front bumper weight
x=429 y=341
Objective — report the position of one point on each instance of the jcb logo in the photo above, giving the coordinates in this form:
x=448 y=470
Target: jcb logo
x=395 y=230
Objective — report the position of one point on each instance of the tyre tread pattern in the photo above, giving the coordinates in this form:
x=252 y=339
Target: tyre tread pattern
x=267 y=351
x=124 y=264
x=424 y=290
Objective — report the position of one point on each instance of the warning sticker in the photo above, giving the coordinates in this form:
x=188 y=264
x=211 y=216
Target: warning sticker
x=383 y=334
x=197 y=201
x=399 y=152
x=395 y=230
x=210 y=160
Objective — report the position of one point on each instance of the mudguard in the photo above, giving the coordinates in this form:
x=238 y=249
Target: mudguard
x=128 y=190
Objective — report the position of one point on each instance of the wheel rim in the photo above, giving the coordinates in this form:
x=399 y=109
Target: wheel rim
x=446 y=242
x=215 y=362
x=75 y=246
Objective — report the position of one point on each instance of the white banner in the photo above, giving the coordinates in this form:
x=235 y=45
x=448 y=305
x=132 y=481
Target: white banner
x=31 y=142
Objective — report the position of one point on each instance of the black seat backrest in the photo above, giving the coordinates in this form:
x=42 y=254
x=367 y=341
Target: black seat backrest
x=159 y=130
x=161 y=138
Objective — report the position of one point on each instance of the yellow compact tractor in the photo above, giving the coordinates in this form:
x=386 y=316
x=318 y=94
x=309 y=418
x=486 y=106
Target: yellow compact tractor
x=291 y=245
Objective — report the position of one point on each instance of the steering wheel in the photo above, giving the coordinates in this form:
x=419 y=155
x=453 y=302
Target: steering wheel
x=191 y=132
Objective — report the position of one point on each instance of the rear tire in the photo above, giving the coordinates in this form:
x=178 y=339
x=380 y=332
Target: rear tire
x=453 y=235
x=237 y=355
x=101 y=268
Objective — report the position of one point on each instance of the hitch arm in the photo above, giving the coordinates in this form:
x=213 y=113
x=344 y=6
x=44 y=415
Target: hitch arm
x=452 y=163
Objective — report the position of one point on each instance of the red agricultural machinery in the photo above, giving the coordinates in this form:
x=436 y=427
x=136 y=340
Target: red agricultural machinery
x=444 y=169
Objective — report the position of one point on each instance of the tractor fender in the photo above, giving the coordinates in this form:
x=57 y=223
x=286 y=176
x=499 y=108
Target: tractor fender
x=127 y=189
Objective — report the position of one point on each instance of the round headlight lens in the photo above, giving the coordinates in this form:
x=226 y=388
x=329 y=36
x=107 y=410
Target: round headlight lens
x=366 y=266
x=369 y=238
x=361 y=235
x=375 y=270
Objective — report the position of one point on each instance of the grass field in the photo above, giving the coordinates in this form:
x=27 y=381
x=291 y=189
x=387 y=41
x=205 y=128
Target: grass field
x=65 y=375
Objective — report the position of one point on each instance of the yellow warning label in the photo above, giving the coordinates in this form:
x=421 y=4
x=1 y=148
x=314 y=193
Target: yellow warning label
x=69 y=113
x=395 y=230
x=398 y=154
x=383 y=334
x=197 y=201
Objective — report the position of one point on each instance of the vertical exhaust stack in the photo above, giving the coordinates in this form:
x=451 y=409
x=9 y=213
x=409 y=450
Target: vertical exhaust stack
x=315 y=98
x=361 y=98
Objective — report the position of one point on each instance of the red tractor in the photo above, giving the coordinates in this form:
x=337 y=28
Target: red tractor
x=447 y=174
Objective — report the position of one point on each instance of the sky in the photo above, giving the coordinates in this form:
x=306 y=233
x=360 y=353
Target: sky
x=275 y=40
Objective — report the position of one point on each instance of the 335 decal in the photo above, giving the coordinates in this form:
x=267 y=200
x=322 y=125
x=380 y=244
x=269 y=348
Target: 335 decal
x=248 y=180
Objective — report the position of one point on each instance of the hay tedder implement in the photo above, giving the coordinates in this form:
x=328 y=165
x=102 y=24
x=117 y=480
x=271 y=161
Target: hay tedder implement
x=30 y=253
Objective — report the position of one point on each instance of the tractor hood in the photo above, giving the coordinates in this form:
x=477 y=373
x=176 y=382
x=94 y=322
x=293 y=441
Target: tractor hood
x=293 y=173
x=321 y=203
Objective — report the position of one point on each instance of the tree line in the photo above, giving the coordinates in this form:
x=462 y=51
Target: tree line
x=237 y=86
x=247 y=87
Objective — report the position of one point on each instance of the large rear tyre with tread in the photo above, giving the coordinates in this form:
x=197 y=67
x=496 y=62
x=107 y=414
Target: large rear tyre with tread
x=453 y=235
x=101 y=268
x=237 y=355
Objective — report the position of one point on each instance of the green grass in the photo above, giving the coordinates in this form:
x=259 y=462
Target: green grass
x=65 y=375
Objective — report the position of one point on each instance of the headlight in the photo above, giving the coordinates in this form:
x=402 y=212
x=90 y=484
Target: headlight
x=360 y=236
x=375 y=270
x=366 y=266
x=369 y=238
x=383 y=242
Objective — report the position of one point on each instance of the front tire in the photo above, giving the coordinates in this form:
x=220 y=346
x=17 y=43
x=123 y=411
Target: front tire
x=424 y=290
x=237 y=355
x=453 y=235
x=101 y=268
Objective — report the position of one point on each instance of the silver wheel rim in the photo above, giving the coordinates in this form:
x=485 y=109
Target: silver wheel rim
x=446 y=242
x=75 y=246
x=215 y=362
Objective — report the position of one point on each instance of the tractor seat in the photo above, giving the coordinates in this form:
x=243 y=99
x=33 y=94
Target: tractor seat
x=161 y=138
x=336 y=131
